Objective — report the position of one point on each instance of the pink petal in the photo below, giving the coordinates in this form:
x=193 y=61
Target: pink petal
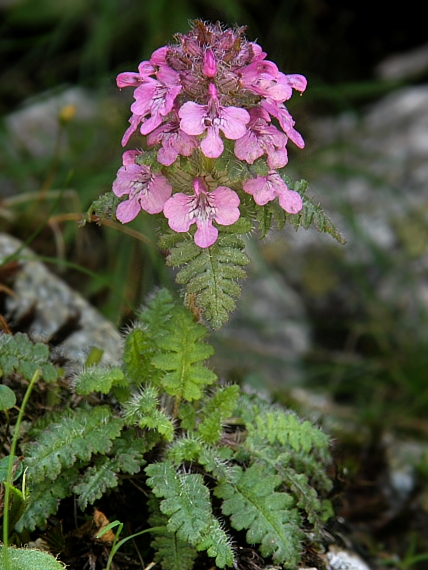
x=260 y=189
x=247 y=148
x=277 y=158
x=298 y=82
x=144 y=95
x=177 y=211
x=128 y=79
x=127 y=211
x=129 y=156
x=206 y=234
x=233 y=122
x=226 y=202
x=134 y=120
x=192 y=118
x=212 y=145
x=291 y=201
x=156 y=195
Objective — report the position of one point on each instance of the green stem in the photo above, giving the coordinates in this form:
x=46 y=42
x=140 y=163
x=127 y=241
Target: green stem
x=117 y=545
x=10 y=468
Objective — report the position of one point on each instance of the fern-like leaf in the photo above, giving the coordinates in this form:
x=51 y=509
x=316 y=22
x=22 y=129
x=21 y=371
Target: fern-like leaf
x=269 y=516
x=186 y=502
x=142 y=410
x=126 y=456
x=211 y=274
x=218 y=408
x=140 y=343
x=98 y=379
x=171 y=552
x=217 y=544
x=44 y=499
x=286 y=429
x=182 y=356
x=312 y=213
x=18 y=354
x=62 y=444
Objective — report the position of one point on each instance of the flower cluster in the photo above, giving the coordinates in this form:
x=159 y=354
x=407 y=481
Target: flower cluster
x=211 y=85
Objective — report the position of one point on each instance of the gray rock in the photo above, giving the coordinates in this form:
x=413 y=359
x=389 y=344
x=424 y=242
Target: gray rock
x=54 y=303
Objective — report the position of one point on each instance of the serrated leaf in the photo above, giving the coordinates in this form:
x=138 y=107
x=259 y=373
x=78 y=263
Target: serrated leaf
x=44 y=499
x=215 y=411
x=18 y=354
x=184 y=449
x=286 y=429
x=126 y=456
x=104 y=207
x=186 y=500
x=312 y=213
x=268 y=515
x=140 y=343
x=217 y=544
x=142 y=410
x=98 y=379
x=181 y=357
x=62 y=444
x=211 y=274
x=171 y=552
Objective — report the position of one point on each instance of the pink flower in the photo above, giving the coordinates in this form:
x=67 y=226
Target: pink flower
x=280 y=112
x=267 y=188
x=174 y=142
x=262 y=138
x=263 y=78
x=145 y=70
x=213 y=117
x=201 y=209
x=155 y=99
x=146 y=190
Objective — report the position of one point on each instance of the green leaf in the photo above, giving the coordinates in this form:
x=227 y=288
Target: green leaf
x=140 y=343
x=217 y=544
x=18 y=354
x=186 y=500
x=287 y=429
x=312 y=213
x=217 y=409
x=105 y=207
x=126 y=456
x=142 y=410
x=98 y=379
x=171 y=552
x=210 y=274
x=44 y=499
x=7 y=398
x=270 y=517
x=62 y=444
x=4 y=465
x=182 y=355
x=30 y=559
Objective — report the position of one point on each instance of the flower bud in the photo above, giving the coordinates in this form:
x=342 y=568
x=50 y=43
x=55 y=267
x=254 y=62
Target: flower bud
x=210 y=66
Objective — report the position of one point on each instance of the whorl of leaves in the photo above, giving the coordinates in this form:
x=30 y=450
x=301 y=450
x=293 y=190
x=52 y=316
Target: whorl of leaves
x=210 y=274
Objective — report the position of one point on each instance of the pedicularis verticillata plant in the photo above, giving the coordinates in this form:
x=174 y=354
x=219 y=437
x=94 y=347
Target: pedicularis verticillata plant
x=210 y=109
x=214 y=127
